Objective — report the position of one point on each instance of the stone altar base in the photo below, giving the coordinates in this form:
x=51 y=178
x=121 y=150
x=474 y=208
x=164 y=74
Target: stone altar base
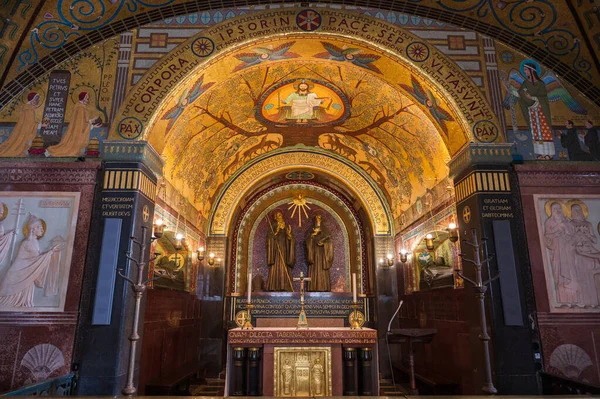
x=287 y=362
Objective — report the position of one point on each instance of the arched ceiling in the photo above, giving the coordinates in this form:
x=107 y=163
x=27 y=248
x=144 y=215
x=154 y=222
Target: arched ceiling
x=369 y=108
x=562 y=34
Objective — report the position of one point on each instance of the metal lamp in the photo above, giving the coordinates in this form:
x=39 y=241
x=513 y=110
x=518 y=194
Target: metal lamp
x=158 y=229
x=403 y=255
x=452 y=232
x=429 y=242
x=200 y=254
x=179 y=241
x=211 y=259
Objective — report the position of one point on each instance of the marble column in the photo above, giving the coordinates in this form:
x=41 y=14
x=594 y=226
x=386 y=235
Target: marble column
x=124 y=204
x=254 y=371
x=487 y=201
x=237 y=384
x=350 y=374
x=366 y=372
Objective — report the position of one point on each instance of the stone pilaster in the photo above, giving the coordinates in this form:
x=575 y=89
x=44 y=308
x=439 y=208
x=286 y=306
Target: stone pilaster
x=125 y=204
x=487 y=201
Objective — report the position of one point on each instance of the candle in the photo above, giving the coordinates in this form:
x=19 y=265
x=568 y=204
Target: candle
x=249 y=289
x=354 y=288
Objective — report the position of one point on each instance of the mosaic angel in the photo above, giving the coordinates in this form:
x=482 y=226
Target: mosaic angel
x=534 y=93
x=187 y=97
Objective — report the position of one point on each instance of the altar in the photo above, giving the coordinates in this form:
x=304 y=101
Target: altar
x=290 y=362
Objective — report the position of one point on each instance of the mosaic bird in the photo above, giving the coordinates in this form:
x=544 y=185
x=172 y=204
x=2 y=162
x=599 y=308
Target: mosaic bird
x=349 y=54
x=262 y=54
x=427 y=98
x=187 y=97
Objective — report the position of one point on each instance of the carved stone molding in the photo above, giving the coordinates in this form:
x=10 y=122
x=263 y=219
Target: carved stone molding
x=557 y=175
x=49 y=172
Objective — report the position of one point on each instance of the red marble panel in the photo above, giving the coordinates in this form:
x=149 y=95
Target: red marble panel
x=49 y=336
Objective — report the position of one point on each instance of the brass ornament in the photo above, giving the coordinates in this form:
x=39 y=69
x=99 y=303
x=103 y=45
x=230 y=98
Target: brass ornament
x=356 y=319
x=241 y=317
x=302 y=371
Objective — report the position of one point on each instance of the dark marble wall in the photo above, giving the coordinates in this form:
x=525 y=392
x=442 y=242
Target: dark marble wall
x=572 y=335
x=20 y=331
x=443 y=310
x=171 y=344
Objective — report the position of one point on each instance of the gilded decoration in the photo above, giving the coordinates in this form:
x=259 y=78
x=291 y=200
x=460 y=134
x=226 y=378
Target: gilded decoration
x=301 y=372
x=294 y=159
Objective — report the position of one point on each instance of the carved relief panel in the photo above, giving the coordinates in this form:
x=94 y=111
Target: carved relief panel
x=36 y=244
x=302 y=372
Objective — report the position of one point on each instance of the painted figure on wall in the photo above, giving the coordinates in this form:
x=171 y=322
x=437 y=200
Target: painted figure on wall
x=591 y=140
x=187 y=97
x=31 y=269
x=280 y=254
x=24 y=131
x=571 y=142
x=302 y=104
x=77 y=136
x=534 y=93
x=319 y=256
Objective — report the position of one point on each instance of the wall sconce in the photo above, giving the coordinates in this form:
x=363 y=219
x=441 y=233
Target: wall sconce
x=158 y=229
x=403 y=255
x=179 y=241
x=429 y=242
x=388 y=262
x=452 y=232
x=211 y=259
x=200 y=254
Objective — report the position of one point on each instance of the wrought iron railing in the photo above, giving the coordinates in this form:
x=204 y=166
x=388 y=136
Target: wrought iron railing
x=59 y=386
x=555 y=385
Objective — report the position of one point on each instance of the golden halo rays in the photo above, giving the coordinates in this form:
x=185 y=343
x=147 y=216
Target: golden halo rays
x=4 y=213
x=582 y=204
x=26 y=229
x=549 y=203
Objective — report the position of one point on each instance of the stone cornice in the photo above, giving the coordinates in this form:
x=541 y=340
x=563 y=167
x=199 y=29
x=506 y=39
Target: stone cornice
x=559 y=174
x=133 y=151
x=482 y=154
x=77 y=173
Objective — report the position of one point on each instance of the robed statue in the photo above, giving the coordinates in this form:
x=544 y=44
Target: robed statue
x=280 y=254
x=319 y=256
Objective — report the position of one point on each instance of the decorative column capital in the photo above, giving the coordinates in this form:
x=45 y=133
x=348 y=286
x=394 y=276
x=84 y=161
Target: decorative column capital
x=480 y=153
x=133 y=151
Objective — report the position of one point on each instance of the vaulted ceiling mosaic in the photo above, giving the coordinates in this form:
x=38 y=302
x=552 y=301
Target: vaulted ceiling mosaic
x=563 y=33
x=321 y=91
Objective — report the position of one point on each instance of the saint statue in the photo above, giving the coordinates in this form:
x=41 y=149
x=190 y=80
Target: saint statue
x=280 y=254
x=317 y=378
x=319 y=256
x=287 y=374
x=31 y=268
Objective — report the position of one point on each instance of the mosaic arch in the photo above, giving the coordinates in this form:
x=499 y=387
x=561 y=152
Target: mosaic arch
x=298 y=158
x=398 y=109
x=36 y=39
x=180 y=69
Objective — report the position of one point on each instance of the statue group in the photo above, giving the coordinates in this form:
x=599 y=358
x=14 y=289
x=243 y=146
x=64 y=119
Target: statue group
x=281 y=257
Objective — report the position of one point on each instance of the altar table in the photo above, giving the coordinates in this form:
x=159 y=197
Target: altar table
x=289 y=362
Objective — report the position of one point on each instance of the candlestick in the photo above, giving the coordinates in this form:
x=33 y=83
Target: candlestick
x=354 y=288
x=249 y=287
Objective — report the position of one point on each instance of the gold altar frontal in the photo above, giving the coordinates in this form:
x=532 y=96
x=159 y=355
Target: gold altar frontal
x=296 y=363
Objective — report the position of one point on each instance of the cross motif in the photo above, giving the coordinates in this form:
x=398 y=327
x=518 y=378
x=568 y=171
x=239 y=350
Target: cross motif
x=302 y=279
